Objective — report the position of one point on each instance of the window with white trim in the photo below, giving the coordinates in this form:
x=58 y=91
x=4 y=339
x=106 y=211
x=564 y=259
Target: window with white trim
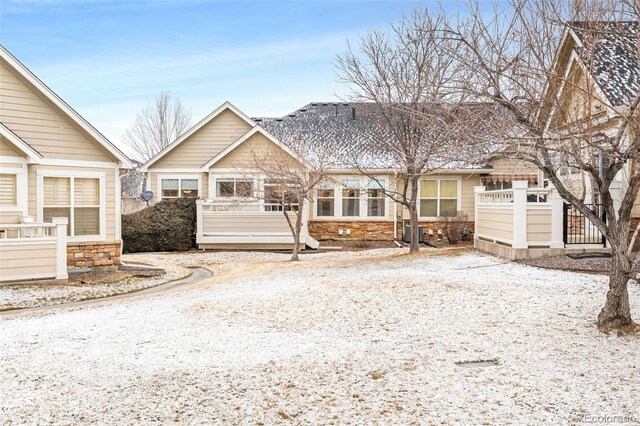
x=350 y=198
x=8 y=195
x=76 y=198
x=278 y=196
x=438 y=197
x=178 y=188
x=234 y=188
x=375 y=198
x=325 y=200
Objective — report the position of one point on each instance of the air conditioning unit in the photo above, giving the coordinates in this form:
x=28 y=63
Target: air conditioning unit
x=406 y=235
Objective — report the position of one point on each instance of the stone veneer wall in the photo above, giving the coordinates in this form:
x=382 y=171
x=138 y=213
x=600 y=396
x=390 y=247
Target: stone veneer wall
x=360 y=230
x=89 y=255
x=367 y=230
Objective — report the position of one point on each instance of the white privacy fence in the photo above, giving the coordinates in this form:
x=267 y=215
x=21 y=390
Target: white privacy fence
x=519 y=217
x=32 y=250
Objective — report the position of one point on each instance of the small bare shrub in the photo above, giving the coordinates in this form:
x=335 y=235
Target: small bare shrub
x=454 y=227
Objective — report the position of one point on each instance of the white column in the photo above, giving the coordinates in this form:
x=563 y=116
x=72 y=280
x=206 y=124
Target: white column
x=477 y=190
x=61 y=247
x=557 y=217
x=520 y=214
x=304 y=231
x=199 y=221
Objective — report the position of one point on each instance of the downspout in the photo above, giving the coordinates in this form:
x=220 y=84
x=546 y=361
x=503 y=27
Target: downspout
x=395 y=210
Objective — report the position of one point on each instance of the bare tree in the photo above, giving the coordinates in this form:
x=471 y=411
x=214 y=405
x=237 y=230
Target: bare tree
x=414 y=113
x=581 y=118
x=291 y=177
x=157 y=125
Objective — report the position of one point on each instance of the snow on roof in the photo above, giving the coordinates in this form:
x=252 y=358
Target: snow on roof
x=344 y=127
x=616 y=65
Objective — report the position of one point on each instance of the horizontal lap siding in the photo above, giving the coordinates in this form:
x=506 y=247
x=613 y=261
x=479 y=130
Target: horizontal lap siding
x=468 y=195
x=8 y=218
x=32 y=259
x=495 y=223
x=539 y=225
x=40 y=124
x=207 y=142
x=6 y=149
x=219 y=223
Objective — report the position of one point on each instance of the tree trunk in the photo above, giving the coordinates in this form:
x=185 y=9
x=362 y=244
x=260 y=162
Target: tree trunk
x=616 y=313
x=296 y=235
x=414 y=245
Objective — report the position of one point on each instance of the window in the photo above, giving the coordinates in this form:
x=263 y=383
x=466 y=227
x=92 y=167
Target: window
x=189 y=188
x=8 y=196
x=177 y=188
x=375 y=198
x=325 y=201
x=278 y=196
x=350 y=198
x=76 y=198
x=86 y=195
x=233 y=187
x=438 y=197
x=494 y=186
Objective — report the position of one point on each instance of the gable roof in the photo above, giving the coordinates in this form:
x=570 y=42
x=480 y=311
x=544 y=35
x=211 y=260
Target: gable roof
x=19 y=143
x=615 y=56
x=242 y=139
x=64 y=107
x=225 y=106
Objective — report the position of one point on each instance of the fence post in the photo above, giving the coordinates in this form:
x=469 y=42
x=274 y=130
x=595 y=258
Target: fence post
x=557 y=220
x=520 y=214
x=477 y=190
x=199 y=221
x=61 y=247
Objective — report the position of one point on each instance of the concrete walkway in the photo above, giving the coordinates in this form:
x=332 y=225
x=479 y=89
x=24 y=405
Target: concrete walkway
x=197 y=275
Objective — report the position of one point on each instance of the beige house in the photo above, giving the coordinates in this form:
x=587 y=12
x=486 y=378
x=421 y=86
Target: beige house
x=213 y=162
x=526 y=222
x=54 y=166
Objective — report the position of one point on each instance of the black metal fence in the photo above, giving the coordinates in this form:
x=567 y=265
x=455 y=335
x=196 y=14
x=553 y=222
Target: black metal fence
x=578 y=229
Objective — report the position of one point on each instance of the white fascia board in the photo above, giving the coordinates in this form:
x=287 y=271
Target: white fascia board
x=227 y=105
x=64 y=107
x=242 y=139
x=34 y=156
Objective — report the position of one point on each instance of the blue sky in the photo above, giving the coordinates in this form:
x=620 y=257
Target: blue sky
x=109 y=58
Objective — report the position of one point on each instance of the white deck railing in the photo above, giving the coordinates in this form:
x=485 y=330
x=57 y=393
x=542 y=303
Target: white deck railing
x=31 y=250
x=520 y=217
x=236 y=223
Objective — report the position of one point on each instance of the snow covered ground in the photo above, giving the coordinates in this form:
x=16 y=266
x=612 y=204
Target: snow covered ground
x=20 y=296
x=340 y=338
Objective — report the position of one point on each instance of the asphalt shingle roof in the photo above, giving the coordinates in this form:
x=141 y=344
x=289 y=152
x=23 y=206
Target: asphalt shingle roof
x=616 y=64
x=344 y=127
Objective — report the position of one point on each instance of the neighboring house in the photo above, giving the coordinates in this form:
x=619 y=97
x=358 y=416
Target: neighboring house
x=53 y=164
x=212 y=161
x=595 y=92
x=132 y=184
